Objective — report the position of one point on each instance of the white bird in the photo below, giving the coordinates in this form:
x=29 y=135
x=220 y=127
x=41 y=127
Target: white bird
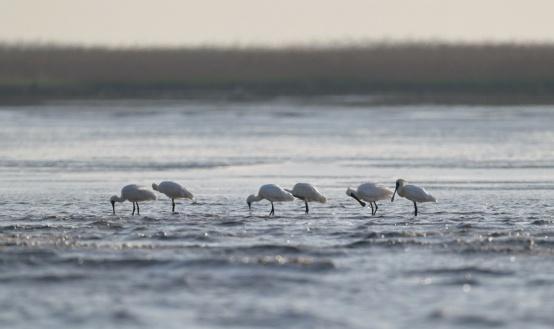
x=173 y=191
x=371 y=193
x=134 y=194
x=271 y=193
x=413 y=193
x=307 y=193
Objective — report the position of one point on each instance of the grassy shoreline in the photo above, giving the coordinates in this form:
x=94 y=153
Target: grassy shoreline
x=395 y=73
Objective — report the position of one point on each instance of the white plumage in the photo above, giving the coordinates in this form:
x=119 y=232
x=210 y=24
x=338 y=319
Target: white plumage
x=271 y=193
x=173 y=191
x=135 y=194
x=371 y=193
x=307 y=193
x=413 y=193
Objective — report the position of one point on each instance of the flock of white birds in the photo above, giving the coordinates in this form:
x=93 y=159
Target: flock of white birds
x=366 y=192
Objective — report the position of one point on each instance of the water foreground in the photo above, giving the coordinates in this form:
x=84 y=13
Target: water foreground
x=482 y=256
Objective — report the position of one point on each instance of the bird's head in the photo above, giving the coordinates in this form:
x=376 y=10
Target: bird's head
x=350 y=192
x=251 y=198
x=399 y=183
x=154 y=186
x=113 y=199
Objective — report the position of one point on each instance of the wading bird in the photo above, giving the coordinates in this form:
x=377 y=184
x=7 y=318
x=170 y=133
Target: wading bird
x=307 y=193
x=271 y=193
x=173 y=191
x=134 y=194
x=371 y=193
x=413 y=193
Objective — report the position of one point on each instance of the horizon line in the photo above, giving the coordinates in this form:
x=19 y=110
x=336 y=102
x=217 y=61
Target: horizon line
x=343 y=44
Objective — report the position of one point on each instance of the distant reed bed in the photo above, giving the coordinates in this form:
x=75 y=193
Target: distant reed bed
x=410 y=71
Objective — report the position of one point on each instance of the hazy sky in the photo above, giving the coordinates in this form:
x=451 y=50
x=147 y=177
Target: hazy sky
x=247 y=22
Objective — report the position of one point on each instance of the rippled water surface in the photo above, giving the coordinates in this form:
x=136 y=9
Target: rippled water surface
x=482 y=257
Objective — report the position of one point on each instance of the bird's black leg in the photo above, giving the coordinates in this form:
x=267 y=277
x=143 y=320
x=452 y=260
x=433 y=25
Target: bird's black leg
x=415 y=209
x=138 y=209
x=173 y=205
x=371 y=204
x=376 y=207
x=272 y=212
x=307 y=209
x=133 y=209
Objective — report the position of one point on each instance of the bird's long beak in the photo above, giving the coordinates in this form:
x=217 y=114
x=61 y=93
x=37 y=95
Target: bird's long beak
x=392 y=199
x=360 y=201
x=249 y=206
x=113 y=207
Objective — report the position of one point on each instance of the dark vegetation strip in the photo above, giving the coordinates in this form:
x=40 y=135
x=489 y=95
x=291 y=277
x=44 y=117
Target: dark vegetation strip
x=408 y=72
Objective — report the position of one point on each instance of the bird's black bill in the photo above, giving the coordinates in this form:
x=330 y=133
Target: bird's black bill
x=113 y=207
x=360 y=201
x=249 y=206
x=392 y=199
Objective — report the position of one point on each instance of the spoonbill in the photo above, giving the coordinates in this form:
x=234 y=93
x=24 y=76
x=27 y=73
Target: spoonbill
x=371 y=193
x=307 y=193
x=135 y=194
x=413 y=193
x=271 y=193
x=173 y=191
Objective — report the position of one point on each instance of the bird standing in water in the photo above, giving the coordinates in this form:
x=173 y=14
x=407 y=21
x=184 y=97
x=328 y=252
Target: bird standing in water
x=135 y=194
x=371 y=193
x=271 y=193
x=307 y=193
x=173 y=191
x=413 y=193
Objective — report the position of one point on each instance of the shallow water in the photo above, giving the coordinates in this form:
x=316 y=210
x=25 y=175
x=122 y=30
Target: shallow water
x=481 y=257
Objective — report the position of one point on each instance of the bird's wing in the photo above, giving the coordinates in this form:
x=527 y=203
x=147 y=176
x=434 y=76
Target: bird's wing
x=417 y=194
x=371 y=191
x=308 y=192
x=146 y=194
x=275 y=193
